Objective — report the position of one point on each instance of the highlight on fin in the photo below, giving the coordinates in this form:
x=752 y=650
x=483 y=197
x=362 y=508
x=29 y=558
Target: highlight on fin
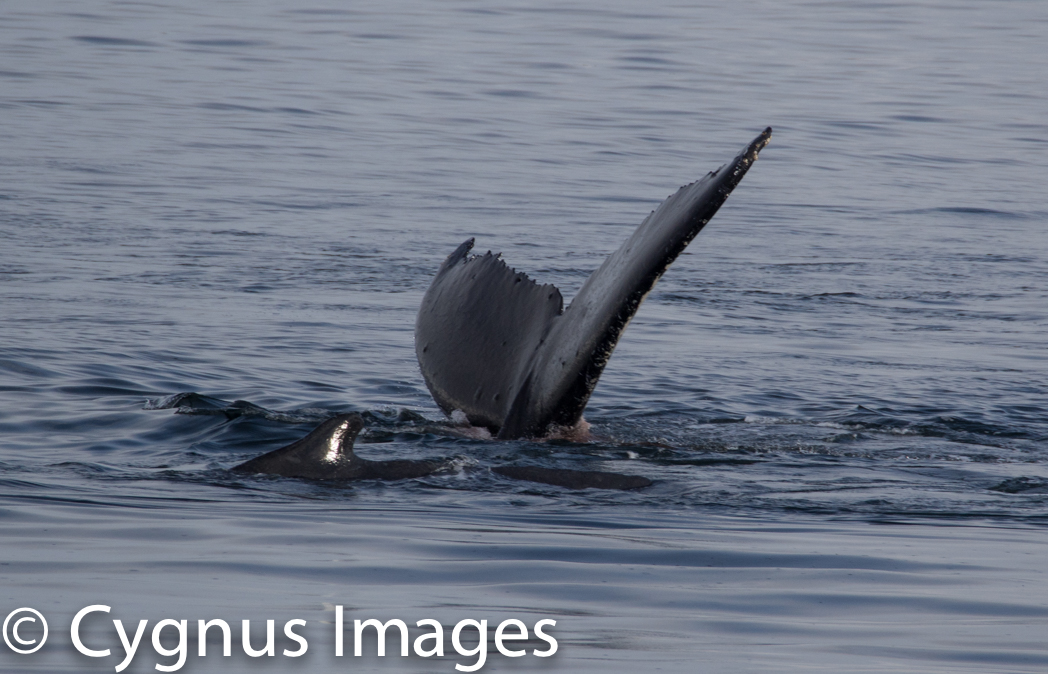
x=502 y=348
x=327 y=454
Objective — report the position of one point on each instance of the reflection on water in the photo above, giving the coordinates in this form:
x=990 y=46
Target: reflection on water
x=218 y=221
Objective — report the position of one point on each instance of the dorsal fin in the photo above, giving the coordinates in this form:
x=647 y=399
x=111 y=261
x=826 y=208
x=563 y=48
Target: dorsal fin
x=499 y=347
x=325 y=454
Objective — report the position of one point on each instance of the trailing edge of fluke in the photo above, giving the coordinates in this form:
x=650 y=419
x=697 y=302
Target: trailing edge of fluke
x=503 y=349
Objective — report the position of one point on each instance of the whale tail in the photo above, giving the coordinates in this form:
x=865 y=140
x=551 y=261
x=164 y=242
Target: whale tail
x=503 y=349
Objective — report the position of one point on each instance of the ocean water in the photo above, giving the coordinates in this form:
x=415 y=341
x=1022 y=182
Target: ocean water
x=217 y=221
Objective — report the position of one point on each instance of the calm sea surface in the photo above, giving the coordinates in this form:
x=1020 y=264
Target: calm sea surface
x=217 y=221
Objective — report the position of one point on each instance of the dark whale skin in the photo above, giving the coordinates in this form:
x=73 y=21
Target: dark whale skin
x=327 y=454
x=503 y=349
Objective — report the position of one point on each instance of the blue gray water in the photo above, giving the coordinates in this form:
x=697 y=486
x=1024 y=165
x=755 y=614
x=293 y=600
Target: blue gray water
x=217 y=221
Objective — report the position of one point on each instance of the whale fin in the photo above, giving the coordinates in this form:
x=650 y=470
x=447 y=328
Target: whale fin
x=499 y=347
x=327 y=454
x=478 y=326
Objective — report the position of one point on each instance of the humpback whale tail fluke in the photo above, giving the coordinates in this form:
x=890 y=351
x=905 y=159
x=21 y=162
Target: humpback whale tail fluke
x=503 y=349
x=327 y=454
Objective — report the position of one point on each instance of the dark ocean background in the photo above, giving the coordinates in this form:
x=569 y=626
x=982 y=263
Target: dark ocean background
x=217 y=221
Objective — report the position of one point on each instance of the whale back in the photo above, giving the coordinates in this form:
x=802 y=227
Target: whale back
x=326 y=453
x=500 y=347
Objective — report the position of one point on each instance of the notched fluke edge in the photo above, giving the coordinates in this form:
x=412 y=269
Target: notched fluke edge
x=511 y=357
x=500 y=348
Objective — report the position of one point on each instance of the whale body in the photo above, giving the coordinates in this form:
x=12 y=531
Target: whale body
x=326 y=453
x=503 y=349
